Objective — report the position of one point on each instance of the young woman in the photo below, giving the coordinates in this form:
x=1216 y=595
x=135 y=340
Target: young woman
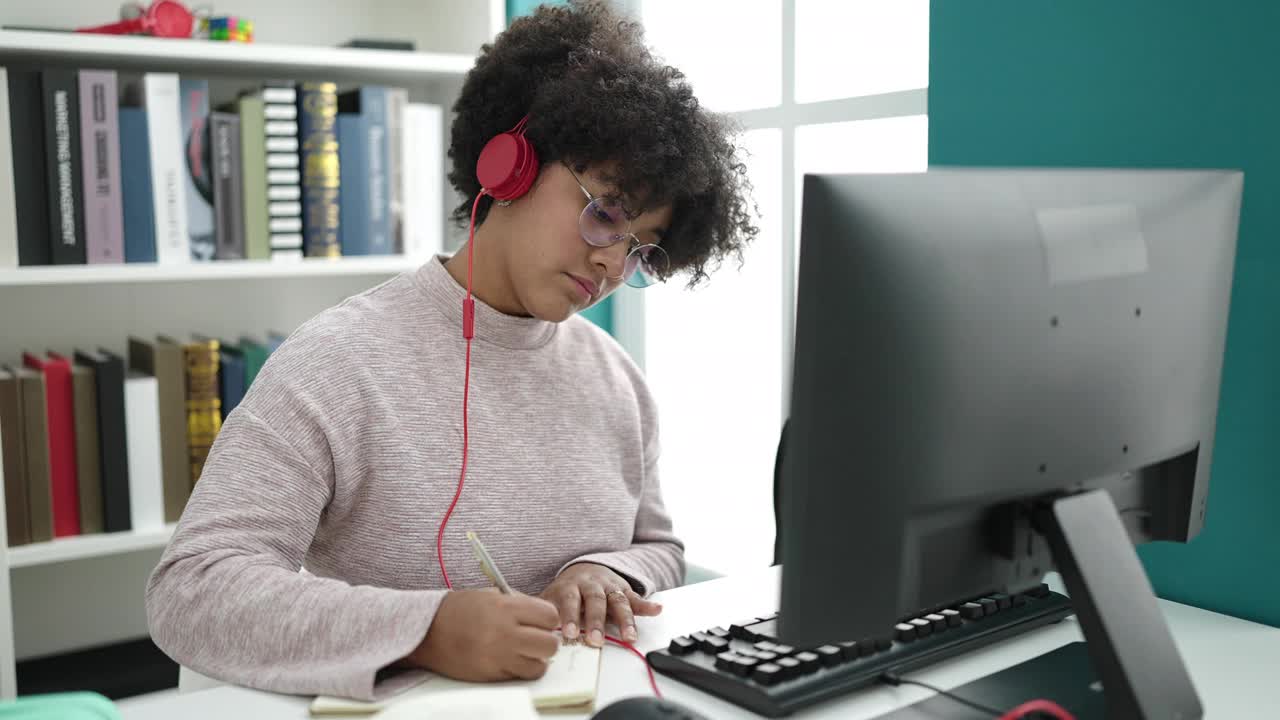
x=346 y=457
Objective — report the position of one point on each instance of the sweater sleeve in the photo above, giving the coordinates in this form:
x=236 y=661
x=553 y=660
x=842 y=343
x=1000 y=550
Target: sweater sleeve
x=655 y=559
x=228 y=600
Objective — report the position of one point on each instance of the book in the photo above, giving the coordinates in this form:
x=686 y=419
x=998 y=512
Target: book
x=30 y=191
x=61 y=433
x=84 y=393
x=353 y=195
x=397 y=100
x=137 y=193
x=569 y=685
x=113 y=447
x=253 y=175
x=231 y=377
x=228 y=190
x=165 y=360
x=142 y=417
x=61 y=101
x=100 y=155
x=423 y=170
x=370 y=103
x=13 y=452
x=35 y=420
x=8 y=206
x=477 y=703
x=317 y=135
x=204 y=405
x=282 y=164
x=158 y=95
x=197 y=180
x=255 y=356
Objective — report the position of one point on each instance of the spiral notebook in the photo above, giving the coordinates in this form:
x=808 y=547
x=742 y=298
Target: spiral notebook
x=569 y=685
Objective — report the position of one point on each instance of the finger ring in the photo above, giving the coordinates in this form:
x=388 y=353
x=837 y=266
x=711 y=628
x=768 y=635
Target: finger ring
x=621 y=595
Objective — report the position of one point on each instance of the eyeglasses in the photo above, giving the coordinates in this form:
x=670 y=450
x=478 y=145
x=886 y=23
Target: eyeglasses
x=604 y=222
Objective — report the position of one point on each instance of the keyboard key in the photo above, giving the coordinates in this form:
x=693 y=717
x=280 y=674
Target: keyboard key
x=726 y=661
x=744 y=666
x=923 y=627
x=765 y=655
x=939 y=622
x=905 y=632
x=767 y=674
x=849 y=649
x=682 y=645
x=866 y=647
x=830 y=654
x=972 y=611
x=719 y=632
x=715 y=645
x=783 y=649
x=790 y=667
x=741 y=631
x=989 y=606
x=1019 y=600
x=884 y=642
x=1004 y=602
x=699 y=638
x=747 y=652
x=766 y=646
x=952 y=616
x=809 y=662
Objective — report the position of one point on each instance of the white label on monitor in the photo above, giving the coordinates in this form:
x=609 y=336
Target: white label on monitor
x=1092 y=242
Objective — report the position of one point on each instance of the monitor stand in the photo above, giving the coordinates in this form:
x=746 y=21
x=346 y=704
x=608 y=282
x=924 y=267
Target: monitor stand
x=1128 y=668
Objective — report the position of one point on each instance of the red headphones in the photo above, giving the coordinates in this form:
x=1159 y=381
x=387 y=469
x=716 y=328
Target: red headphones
x=506 y=169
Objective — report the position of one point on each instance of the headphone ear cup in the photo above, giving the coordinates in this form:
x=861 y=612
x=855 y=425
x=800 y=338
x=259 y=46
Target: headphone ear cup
x=507 y=166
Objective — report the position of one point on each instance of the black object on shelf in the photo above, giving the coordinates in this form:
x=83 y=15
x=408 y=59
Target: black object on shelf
x=376 y=44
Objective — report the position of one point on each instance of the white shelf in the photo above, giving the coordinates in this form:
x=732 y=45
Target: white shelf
x=87 y=546
x=216 y=56
x=196 y=271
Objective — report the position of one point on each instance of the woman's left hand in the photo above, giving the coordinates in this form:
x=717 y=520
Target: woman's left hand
x=587 y=595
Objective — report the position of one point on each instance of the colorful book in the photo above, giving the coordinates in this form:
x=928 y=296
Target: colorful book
x=318 y=137
x=253 y=173
x=60 y=410
x=88 y=470
x=100 y=155
x=197 y=180
x=35 y=419
x=165 y=360
x=113 y=448
x=204 y=405
x=30 y=188
x=423 y=171
x=63 y=166
x=159 y=97
x=8 y=207
x=353 y=195
x=13 y=452
x=142 y=417
x=283 y=174
x=255 y=356
x=370 y=102
x=137 y=194
x=228 y=190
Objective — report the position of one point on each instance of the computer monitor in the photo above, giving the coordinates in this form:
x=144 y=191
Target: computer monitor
x=998 y=373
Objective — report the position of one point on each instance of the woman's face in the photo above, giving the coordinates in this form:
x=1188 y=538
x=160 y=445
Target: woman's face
x=554 y=272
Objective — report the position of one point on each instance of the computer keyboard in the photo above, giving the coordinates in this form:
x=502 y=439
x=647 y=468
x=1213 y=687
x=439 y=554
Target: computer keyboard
x=746 y=665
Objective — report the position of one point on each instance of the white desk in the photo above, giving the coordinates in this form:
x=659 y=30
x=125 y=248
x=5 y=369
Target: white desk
x=1235 y=664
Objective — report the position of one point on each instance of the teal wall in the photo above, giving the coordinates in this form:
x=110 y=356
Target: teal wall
x=1156 y=83
x=601 y=314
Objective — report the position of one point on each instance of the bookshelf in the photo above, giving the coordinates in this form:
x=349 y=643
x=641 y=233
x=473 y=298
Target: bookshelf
x=65 y=307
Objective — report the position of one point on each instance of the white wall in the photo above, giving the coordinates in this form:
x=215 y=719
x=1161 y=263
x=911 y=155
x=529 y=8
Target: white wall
x=435 y=25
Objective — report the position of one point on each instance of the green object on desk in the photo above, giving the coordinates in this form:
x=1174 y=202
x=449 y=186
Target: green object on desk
x=60 y=706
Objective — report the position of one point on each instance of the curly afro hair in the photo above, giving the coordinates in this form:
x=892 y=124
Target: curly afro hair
x=596 y=95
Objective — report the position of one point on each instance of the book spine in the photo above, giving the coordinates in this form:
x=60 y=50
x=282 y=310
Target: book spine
x=88 y=472
x=253 y=165
x=30 y=191
x=138 y=199
x=60 y=409
x=100 y=152
x=204 y=405
x=8 y=206
x=63 y=171
x=284 y=239
x=198 y=177
x=228 y=203
x=164 y=130
x=373 y=106
x=113 y=458
x=39 y=483
x=423 y=181
x=397 y=100
x=353 y=164
x=13 y=452
x=142 y=417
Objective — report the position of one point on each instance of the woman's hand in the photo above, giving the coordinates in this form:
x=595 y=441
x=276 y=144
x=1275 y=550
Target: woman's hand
x=587 y=595
x=482 y=636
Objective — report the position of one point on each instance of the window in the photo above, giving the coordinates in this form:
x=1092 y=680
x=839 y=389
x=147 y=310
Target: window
x=821 y=86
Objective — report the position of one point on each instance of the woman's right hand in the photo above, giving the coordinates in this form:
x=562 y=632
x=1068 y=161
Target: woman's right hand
x=483 y=636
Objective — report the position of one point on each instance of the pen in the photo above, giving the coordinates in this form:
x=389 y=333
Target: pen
x=486 y=564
